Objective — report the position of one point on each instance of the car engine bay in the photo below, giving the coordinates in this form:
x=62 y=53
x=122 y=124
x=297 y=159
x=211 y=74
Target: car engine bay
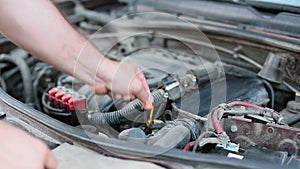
x=225 y=95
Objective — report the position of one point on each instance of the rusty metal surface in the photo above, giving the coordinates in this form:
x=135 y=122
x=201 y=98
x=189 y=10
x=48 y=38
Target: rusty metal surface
x=272 y=136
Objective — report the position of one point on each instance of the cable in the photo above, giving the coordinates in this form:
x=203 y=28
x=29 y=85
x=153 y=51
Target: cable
x=35 y=89
x=189 y=146
x=271 y=93
x=131 y=109
x=238 y=103
x=52 y=110
x=25 y=73
x=217 y=123
x=3 y=84
x=290 y=87
x=187 y=114
x=201 y=137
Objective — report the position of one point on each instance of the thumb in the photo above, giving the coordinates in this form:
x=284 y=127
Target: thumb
x=51 y=162
x=146 y=98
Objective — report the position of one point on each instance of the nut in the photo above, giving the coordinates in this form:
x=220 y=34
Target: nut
x=270 y=129
x=233 y=128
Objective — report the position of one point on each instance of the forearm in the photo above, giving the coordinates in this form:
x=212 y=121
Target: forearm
x=38 y=27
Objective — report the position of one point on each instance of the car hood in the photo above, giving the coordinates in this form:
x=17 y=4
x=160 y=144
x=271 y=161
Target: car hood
x=250 y=16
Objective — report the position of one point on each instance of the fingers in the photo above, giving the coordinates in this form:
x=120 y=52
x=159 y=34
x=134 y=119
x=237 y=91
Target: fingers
x=119 y=96
x=127 y=83
x=144 y=95
x=51 y=162
x=128 y=97
x=99 y=87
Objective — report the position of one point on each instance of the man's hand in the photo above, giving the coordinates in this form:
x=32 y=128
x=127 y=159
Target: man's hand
x=122 y=80
x=39 y=28
x=22 y=151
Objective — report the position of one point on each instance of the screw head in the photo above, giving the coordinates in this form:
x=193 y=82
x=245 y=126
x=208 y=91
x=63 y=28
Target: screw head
x=166 y=95
x=270 y=129
x=233 y=128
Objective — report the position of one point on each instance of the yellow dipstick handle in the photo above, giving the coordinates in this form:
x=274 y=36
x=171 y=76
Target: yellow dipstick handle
x=150 y=117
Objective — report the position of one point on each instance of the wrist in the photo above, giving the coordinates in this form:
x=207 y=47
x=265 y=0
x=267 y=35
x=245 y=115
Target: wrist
x=106 y=69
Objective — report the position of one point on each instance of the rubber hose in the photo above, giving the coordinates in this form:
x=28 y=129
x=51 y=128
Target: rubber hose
x=177 y=133
x=178 y=137
x=208 y=72
x=132 y=109
x=270 y=90
x=25 y=73
x=3 y=84
x=293 y=120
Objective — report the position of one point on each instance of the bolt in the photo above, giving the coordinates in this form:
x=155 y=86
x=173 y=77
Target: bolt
x=89 y=115
x=194 y=80
x=185 y=84
x=166 y=95
x=233 y=128
x=270 y=129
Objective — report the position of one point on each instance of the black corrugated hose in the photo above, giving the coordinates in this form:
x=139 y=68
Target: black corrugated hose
x=132 y=109
x=25 y=73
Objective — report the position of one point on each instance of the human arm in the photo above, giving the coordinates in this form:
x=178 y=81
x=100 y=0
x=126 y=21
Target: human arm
x=19 y=150
x=38 y=27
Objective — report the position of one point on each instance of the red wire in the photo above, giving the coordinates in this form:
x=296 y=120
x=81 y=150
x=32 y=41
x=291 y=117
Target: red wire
x=250 y=105
x=245 y=104
x=188 y=146
x=217 y=123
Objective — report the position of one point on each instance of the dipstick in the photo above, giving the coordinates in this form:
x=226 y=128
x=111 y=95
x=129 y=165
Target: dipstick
x=149 y=122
